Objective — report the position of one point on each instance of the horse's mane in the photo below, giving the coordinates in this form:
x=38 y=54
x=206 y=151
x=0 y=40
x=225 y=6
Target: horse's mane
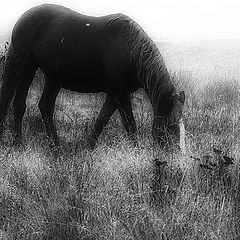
x=151 y=69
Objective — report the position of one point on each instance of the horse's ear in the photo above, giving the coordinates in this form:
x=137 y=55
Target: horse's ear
x=182 y=97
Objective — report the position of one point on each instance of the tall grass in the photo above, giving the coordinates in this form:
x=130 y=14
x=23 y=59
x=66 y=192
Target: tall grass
x=117 y=191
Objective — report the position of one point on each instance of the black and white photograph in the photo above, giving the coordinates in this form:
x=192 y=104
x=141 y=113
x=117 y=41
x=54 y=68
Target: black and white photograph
x=119 y=120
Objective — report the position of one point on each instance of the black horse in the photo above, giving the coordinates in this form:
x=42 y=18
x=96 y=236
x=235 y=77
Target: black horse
x=110 y=54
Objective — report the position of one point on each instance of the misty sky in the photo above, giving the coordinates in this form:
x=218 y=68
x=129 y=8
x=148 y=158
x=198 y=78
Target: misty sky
x=161 y=19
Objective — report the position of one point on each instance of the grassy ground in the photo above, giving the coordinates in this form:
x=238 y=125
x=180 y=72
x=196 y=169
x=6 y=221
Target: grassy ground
x=116 y=191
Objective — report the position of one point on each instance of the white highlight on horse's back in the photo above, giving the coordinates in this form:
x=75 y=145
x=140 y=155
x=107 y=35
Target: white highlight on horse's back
x=182 y=136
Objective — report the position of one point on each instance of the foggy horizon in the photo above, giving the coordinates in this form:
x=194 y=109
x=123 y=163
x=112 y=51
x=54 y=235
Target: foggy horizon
x=162 y=20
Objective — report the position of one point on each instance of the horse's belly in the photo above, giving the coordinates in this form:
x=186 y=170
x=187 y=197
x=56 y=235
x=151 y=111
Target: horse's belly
x=82 y=85
x=82 y=80
x=76 y=74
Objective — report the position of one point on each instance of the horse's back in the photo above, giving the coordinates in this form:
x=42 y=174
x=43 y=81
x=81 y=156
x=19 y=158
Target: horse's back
x=68 y=44
x=44 y=22
x=47 y=22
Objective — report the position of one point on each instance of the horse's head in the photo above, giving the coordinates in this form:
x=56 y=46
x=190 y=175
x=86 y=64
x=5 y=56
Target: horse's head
x=167 y=124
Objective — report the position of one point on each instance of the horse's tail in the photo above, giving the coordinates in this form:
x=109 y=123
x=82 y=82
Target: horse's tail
x=12 y=74
x=8 y=84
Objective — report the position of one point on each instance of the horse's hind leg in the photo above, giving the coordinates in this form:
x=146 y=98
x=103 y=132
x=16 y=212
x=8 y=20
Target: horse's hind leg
x=46 y=106
x=19 y=103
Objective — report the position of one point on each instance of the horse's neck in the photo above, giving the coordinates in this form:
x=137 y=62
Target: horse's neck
x=164 y=104
x=160 y=94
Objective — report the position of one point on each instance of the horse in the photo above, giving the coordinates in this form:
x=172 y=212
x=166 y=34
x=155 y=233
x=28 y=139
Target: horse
x=87 y=54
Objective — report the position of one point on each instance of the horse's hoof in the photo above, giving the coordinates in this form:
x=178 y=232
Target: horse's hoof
x=55 y=148
x=159 y=162
x=135 y=143
x=91 y=142
x=17 y=144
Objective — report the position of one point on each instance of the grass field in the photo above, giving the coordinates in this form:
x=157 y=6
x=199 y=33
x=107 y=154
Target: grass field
x=116 y=191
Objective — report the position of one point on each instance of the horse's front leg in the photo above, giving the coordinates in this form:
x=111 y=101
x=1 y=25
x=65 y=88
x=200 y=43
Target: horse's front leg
x=125 y=108
x=105 y=114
